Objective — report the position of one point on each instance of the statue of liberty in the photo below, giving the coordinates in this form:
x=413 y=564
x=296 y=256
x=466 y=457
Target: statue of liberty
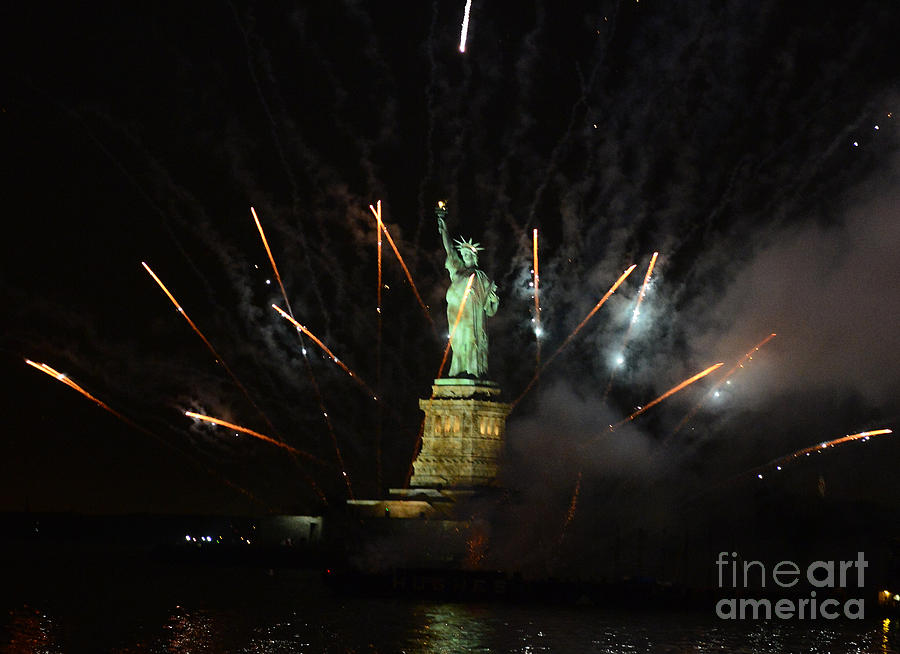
x=469 y=342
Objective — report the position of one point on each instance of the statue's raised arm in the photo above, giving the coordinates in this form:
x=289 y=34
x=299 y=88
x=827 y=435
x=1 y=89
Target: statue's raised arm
x=469 y=340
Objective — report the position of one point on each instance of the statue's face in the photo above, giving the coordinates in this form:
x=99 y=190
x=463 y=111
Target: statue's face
x=469 y=258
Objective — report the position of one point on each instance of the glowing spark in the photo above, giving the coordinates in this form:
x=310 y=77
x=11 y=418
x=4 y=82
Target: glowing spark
x=465 y=27
x=255 y=434
x=462 y=306
x=403 y=263
x=687 y=382
x=324 y=348
x=714 y=391
x=575 y=332
x=537 y=301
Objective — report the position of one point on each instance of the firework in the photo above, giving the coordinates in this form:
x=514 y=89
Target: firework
x=65 y=379
x=462 y=305
x=465 y=27
x=779 y=463
x=47 y=370
x=209 y=346
x=634 y=317
x=262 y=235
x=575 y=332
x=409 y=278
x=637 y=307
x=740 y=364
x=687 y=382
x=309 y=370
x=325 y=349
x=537 y=301
x=378 y=230
x=255 y=434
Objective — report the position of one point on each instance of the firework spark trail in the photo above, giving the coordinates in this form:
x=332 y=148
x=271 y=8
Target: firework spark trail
x=47 y=370
x=668 y=393
x=282 y=156
x=537 y=301
x=268 y=439
x=462 y=306
x=265 y=242
x=573 y=506
x=325 y=349
x=465 y=27
x=378 y=230
x=780 y=462
x=206 y=342
x=309 y=370
x=255 y=434
x=402 y=265
x=569 y=338
x=740 y=364
x=634 y=317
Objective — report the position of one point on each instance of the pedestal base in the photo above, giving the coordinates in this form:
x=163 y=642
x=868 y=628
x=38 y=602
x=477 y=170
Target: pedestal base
x=462 y=439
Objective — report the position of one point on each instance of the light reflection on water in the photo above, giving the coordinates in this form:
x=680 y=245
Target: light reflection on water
x=248 y=612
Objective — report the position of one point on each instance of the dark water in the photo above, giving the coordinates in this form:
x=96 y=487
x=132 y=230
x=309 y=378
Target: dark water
x=128 y=608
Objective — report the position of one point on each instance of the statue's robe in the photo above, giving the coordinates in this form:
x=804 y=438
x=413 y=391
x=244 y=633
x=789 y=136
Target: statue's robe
x=469 y=341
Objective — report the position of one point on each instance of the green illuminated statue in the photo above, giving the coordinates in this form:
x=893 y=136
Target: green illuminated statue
x=469 y=340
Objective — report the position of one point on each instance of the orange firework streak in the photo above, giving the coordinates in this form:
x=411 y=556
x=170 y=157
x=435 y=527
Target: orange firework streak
x=402 y=264
x=537 y=301
x=312 y=377
x=255 y=434
x=218 y=357
x=262 y=235
x=378 y=229
x=47 y=370
x=462 y=305
x=325 y=349
x=574 y=333
x=816 y=448
x=668 y=393
x=634 y=315
x=718 y=384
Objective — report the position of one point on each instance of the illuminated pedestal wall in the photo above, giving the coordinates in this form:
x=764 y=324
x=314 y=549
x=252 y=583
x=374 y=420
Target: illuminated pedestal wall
x=462 y=439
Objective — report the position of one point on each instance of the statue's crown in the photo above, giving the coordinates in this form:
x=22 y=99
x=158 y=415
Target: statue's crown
x=468 y=245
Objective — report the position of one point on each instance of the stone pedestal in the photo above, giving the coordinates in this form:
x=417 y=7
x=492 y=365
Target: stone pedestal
x=462 y=439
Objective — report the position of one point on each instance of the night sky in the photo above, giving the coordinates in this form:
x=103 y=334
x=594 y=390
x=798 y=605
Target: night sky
x=753 y=144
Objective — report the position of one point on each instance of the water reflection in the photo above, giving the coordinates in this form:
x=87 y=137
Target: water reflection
x=191 y=631
x=452 y=628
x=31 y=631
x=249 y=613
